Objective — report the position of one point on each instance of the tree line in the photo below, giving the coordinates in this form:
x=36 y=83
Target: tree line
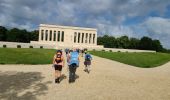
x=145 y=43
x=17 y=35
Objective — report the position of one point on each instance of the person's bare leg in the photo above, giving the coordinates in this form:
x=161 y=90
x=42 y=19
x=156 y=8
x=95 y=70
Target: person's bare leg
x=57 y=76
x=85 y=68
x=88 y=68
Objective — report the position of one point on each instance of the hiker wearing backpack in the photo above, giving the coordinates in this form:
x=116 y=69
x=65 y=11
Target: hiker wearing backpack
x=87 y=62
x=73 y=60
x=58 y=63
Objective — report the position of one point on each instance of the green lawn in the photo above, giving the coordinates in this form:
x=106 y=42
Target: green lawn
x=144 y=60
x=26 y=56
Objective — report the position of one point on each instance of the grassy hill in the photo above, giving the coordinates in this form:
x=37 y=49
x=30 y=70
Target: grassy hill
x=145 y=60
x=26 y=56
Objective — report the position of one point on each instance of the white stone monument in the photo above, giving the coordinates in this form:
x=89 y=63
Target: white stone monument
x=67 y=36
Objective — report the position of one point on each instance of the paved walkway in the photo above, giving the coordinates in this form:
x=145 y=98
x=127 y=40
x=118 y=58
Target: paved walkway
x=108 y=80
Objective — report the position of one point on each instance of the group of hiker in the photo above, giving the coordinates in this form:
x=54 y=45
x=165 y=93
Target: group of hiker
x=73 y=59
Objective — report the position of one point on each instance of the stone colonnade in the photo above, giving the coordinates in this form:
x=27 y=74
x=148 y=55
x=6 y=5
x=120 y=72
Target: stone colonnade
x=67 y=35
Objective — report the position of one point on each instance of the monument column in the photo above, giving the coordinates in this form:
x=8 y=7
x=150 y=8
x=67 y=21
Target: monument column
x=52 y=38
x=44 y=35
x=60 y=36
x=77 y=37
x=39 y=35
x=80 y=38
x=87 y=38
x=56 y=36
x=91 y=38
x=84 y=41
x=48 y=39
x=95 y=41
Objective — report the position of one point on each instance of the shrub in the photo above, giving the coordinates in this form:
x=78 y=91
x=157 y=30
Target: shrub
x=31 y=47
x=118 y=51
x=18 y=46
x=103 y=50
x=41 y=47
x=4 y=46
x=94 y=50
x=110 y=50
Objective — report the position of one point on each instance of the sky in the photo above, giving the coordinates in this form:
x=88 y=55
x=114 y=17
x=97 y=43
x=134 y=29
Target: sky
x=133 y=18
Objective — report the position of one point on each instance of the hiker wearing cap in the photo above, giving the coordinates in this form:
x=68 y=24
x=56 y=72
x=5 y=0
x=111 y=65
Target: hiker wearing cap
x=73 y=60
x=58 y=63
x=87 y=62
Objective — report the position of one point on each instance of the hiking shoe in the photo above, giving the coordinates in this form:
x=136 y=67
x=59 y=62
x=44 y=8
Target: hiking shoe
x=69 y=81
x=88 y=71
x=57 y=80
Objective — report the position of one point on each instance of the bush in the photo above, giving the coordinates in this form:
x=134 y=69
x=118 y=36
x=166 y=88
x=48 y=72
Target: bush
x=4 y=46
x=118 y=51
x=31 y=47
x=103 y=50
x=94 y=50
x=110 y=50
x=18 y=46
x=41 y=47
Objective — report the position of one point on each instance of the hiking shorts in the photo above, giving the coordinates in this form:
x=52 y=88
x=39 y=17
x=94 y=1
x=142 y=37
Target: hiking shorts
x=58 y=67
x=87 y=62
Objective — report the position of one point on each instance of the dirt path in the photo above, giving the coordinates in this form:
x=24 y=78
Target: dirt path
x=108 y=80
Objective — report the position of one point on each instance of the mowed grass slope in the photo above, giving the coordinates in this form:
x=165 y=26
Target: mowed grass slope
x=26 y=56
x=145 y=60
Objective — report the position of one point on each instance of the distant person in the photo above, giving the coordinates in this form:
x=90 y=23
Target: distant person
x=87 y=62
x=85 y=51
x=82 y=52
x=73 y=60
x=66 y=51
x=68 y=58
x=58 y=63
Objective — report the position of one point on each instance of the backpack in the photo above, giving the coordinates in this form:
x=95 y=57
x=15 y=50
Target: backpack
x=74 y=58
x=87 y=58
x=58 y=58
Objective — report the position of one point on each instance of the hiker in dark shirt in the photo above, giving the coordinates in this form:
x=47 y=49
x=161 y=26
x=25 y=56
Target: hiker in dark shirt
x=87 y=62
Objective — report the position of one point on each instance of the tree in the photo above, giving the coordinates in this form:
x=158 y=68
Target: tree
x=3 y=33
x=100 y=41
x=13 y=35
x=34 y=35
x=145 y=43
x=134 y=43
x=123 y=42
x=156 y=45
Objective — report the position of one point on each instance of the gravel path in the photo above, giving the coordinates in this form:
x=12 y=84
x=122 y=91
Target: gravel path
x=108 y=80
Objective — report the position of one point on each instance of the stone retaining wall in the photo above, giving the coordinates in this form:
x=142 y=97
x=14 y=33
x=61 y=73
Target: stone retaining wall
x=53 y=46
x=24 y=45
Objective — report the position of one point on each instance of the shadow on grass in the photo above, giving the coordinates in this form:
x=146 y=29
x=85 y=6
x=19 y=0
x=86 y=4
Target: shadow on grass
x=21 y=85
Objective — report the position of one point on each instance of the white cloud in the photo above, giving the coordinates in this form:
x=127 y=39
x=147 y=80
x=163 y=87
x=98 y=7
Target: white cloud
x=115 y=31
x=157 y=28
x=157 y=25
